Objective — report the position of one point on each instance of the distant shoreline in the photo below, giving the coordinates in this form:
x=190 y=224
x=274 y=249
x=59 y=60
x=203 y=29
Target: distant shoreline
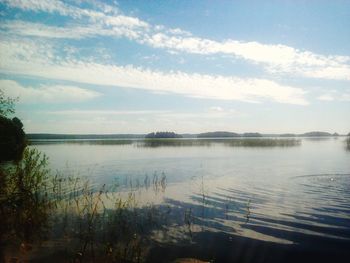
x=208 y=135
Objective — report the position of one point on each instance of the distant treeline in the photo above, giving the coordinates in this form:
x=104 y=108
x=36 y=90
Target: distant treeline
x=318 y=134
x=160 y=135
x=223 y=134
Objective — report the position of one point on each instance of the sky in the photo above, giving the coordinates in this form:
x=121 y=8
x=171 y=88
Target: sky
x=183 y=65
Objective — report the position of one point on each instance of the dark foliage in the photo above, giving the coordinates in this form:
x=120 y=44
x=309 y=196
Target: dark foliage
x=160 y=135
x=316 y=134
x=12 y=139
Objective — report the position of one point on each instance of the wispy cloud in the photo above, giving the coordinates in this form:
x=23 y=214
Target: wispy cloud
x=33 y=59
x=46 y=94
x=129 y=121
x=326 y=97
x=112 y=17
x=68 y=32
x=109 y=21
x=216 y=108
x=106 y=112
x=275 y=58
x=335 y=95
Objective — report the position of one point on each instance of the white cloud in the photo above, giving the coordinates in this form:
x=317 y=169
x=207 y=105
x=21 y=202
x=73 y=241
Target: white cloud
x=120 y=121
x=64 y=9
x=68 y=32
x=53 y=6
x=49 y=6
x=275 y=58
x=345 y=97
x=337 y=72
x=46 y=94
x=334 y=95
x=41 y=30
x=36 y=63
x=326 y=97
x=178 y=31
x=162 y=119
x=216 y=108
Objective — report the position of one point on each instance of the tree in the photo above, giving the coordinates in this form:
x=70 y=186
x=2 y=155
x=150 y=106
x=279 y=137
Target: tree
x=12 y=136
x=7 y=105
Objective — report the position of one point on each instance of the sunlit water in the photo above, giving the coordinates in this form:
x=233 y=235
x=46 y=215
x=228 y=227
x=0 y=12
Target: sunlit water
x=287 y=195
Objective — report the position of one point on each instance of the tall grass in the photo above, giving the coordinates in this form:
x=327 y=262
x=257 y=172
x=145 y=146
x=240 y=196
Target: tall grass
x=265 y=142
x=37 y=205
x=24 y=198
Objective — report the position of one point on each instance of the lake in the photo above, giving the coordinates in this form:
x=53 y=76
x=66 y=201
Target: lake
x=228 y=200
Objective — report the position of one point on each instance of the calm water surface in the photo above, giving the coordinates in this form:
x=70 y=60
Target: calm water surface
x=287 y=195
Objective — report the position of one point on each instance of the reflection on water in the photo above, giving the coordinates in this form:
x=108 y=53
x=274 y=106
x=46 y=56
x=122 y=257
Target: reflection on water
x=234 y=142
x=82 y=141
x=309 y=213
x=149 y=203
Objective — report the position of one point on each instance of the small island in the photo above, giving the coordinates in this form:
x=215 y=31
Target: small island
x=316 y=134
x=163 y=135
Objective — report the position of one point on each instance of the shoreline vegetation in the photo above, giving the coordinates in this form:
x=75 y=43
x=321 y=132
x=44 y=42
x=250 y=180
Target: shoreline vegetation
x=168 y=139
x=171 y=139
x=167 y=135
x=48 y=216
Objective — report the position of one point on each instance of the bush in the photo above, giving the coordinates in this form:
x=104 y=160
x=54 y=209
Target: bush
x=23 y=198
x=12 y=139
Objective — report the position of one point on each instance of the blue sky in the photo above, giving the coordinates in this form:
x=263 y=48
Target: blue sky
x=184 y=66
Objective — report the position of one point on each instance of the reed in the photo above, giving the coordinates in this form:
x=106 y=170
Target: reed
x=37 y=205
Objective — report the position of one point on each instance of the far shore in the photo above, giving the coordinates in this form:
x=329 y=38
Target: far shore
x=206 y=135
